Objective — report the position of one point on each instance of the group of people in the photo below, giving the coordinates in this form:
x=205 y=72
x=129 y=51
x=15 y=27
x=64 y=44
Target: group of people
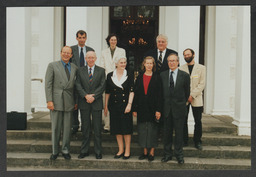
x=159 y=97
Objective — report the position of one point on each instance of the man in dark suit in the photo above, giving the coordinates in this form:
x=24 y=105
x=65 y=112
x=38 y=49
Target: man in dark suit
x=161 y=53
x=90 y=85
x=79 y=52
x=176 y=90
x=59 y=90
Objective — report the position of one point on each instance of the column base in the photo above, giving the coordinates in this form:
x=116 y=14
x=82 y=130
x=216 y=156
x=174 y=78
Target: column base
x=243 y=128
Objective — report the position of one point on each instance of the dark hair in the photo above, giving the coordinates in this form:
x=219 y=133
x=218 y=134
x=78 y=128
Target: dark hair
x=81 y=32
x=175 y=54
x=191 y=50
x=110 y=36
x=144 y=61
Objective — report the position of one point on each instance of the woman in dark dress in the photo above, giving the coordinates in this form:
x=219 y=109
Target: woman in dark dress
x=118 y=100
x=147 y=107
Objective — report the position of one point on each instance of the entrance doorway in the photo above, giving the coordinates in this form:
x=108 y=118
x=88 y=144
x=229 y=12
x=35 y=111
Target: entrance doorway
x=137 y=28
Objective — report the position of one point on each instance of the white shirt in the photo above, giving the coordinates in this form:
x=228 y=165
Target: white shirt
x=121 y=81
x=92 y=69
x=163 y=54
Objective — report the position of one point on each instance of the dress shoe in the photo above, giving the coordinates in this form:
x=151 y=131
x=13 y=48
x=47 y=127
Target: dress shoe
x=83 y=155
x=143 y=156
x=118 y=156
x=105 y=131
x=54 y=156
x=166 y=159
x=199 y=146
x=180 y=160
x=126 y=157
x=150 y=158
x=98 y=156
x=66 y=156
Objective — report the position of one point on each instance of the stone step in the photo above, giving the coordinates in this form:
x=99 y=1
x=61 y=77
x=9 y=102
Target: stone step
x=39 y=146
x=217 y=128
x=40 y=161
x=208 y=138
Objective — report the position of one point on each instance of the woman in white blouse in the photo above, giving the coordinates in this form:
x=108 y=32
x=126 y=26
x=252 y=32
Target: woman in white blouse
x=118 y=100
x=107 y=61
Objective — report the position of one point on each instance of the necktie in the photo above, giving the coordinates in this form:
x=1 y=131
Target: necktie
x=67 y=71
x=81 y=58
x=90 y=74
x=160 y=61
x=171 y=81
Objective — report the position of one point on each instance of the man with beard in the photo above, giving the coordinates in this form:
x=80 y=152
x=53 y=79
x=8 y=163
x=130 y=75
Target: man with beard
x=197 y=84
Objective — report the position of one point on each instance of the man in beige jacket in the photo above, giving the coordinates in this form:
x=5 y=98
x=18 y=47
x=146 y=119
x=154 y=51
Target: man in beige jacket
x=197 y=84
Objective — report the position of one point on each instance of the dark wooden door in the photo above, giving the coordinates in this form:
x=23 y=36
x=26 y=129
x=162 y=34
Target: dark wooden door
x=137 y=28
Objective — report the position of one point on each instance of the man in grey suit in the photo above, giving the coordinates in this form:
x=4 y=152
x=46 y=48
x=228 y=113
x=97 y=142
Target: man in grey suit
x=90 y=85
x=59 y=89
x=176 y=90
x=79 y=52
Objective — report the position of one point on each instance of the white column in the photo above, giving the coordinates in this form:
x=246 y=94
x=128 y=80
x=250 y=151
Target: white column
x=181 y=24
x=224 y=81
x=45 y=48
x=243 y=73
x=18 y=60
x=90 y=20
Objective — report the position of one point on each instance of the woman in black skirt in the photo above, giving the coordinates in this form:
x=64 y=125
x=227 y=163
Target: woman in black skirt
x=147 y=107
x=118 y=100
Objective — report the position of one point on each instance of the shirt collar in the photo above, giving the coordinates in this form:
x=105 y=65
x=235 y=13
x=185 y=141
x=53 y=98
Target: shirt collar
x=91 y=67
x=68 y=64
x=175 y=71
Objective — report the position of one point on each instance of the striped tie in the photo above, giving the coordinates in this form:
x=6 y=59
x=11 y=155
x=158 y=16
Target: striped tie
x=160 y=61
x=90 y=74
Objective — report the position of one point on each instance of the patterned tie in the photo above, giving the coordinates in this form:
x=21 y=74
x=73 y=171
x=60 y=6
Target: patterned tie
x=67 y=71
x=81 y=58
x=171 y=81
x=90 y=74
x=160 y=61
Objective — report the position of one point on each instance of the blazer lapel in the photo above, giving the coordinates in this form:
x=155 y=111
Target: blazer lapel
x=194 y=70
x=95 y=74
x=178 y=79
x=62 y=71
x=85 y=74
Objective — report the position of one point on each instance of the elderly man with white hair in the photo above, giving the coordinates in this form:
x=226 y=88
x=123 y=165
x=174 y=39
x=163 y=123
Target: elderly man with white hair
x=161 y=53
x=119 y=97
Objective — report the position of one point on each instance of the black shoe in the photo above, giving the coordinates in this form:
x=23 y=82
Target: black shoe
x=143 y=156
x=105 y=131
x=166 y=159
x=126 y=157
x=118 y=156
x=98 y=156
x=66 y=156
x=83 y=155
x=151 y=158
x=180 y=160
x=199 y=146
x=54 y=157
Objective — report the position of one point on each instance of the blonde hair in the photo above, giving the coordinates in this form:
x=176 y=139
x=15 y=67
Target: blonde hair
x=144 y=61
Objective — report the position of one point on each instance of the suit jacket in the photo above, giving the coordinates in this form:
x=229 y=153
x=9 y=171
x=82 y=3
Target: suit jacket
x=154 y=97
x=107 y=61
x=197 y=83
x=84 y=87
x=58 y=88
x=76 y=55
x=154 y=53
x=179 y=96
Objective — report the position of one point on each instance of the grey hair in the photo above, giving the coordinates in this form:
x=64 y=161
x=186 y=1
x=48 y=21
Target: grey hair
x=162 y=36
x=116 y=59
x=175 y=54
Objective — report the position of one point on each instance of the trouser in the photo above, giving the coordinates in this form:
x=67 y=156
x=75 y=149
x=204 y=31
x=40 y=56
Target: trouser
x=176 y=124
x=197 y=114
x=75 y=121
x=61 y=121
x=86 y=129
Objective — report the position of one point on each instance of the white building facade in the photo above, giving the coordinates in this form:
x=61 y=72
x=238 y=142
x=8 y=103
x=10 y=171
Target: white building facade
x=35 y=36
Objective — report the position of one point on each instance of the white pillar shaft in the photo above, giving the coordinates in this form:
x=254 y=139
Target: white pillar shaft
x=18 y=60
x=243 y=72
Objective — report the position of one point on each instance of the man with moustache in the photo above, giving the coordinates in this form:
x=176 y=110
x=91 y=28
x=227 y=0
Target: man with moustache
x=59 y=90
x=90 y=85
x=161 y=53
x=197 y=85
x=79 y=52
x=176 y=89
